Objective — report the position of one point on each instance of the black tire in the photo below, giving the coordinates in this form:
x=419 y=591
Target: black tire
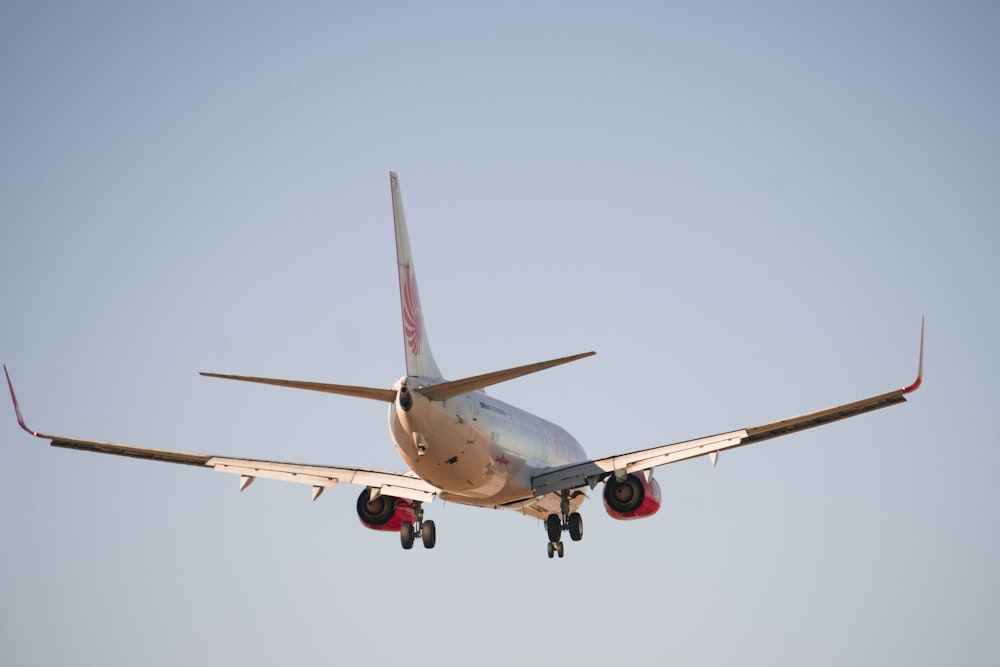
x=553 y=525
x=575 y=527
x=406 y=535
x=428 y=535
x=559 y=549
x=552 y=549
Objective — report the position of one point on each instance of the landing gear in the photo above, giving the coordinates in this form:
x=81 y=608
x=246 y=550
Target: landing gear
x=406 y=535
x=555 y=548
x=408 y=532
x=553 y=526
x=556 y=524
x=575 y=526
x=428 y=535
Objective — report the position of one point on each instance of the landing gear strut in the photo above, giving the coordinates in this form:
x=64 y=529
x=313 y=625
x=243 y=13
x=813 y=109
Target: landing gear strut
x=556 y=524
x=408 y=532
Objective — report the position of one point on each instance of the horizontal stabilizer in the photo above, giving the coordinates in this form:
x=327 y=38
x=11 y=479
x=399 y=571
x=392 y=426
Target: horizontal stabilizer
x=374 y=393
x=453 y=388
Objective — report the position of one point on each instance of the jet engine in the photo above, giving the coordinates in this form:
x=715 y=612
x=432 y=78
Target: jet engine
x=635 y=497
x=385 y=512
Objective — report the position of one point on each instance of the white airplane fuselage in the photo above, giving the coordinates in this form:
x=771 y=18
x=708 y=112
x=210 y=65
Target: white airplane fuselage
x=477 y=449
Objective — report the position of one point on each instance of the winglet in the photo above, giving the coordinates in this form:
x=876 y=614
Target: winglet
x=920 y=368
x=17 y=408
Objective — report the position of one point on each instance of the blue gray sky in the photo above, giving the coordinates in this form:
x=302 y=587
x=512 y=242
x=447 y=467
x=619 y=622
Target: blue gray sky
x=744 y=209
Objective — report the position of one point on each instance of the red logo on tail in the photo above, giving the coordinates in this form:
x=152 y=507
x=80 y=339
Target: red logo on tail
x=411 y=314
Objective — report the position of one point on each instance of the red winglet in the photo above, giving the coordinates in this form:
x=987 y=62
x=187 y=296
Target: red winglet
x=17 y=408
x=920 y=368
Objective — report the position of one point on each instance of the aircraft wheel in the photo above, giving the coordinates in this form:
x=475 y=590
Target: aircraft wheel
x=406 y=535
x=552 y=549
x=559 y=549
x=575 y=527
x=553 y=525
x=428 y=534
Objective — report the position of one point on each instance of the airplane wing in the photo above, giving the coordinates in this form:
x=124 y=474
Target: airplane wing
x=400 y=484
x=590 y=473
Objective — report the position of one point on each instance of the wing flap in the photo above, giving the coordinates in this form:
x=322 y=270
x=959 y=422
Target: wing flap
x=591 y=472
x=401 y=485
x=821 y=417
x=166 y=456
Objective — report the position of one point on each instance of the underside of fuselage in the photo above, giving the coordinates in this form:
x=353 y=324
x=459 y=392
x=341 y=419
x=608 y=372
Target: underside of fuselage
x=478 y=450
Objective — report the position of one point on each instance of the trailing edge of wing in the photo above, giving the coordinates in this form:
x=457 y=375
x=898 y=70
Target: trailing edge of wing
x=399 y=484
x=592 y=472
x=786 y=426
x=445 y=390
x=373 y=393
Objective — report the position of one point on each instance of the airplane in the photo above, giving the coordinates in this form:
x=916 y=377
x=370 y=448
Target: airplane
x=464 y=446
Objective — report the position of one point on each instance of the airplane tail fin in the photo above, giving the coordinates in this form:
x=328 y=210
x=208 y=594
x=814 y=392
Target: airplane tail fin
x=419 y=360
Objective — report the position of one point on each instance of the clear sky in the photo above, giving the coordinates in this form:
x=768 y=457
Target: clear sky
x=745 y=208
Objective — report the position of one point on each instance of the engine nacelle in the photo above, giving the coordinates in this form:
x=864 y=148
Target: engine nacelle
x=385 y=512
x=632 y=498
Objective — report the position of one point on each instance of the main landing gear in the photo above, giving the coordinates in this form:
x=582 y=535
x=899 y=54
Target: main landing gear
x=408 y=532
x=556 y=524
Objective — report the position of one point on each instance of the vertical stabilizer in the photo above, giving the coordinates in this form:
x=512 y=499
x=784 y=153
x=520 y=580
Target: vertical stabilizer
x=419 y=360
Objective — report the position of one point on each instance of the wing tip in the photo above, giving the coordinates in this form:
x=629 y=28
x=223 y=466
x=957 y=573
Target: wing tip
x=920 y=364
x=17 y=406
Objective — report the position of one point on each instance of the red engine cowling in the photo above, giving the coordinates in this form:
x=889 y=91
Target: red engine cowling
x=633 y=498
x=385 y=512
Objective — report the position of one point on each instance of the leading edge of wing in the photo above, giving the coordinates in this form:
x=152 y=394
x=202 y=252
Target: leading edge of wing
x=399 y=484
x=589 y=473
